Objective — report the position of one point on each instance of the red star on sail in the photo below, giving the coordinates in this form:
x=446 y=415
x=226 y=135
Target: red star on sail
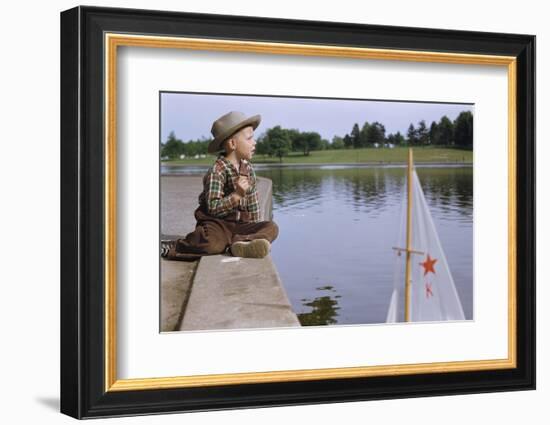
x=429 y=265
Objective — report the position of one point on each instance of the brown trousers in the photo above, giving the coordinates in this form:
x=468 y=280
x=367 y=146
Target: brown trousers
x=213 y=235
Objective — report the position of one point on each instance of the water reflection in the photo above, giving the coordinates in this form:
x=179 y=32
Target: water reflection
x=449 y=191
x=369 y=189
x=323 y=309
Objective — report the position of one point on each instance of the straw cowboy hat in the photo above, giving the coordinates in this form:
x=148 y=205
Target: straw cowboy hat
x=227 y=125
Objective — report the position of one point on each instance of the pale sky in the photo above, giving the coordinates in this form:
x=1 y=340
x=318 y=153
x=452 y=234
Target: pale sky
x=190 y=115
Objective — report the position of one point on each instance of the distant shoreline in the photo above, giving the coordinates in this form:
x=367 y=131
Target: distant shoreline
x=349 y=157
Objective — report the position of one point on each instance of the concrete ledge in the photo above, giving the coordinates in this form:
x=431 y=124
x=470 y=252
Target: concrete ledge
x=246 y=293
x=178 y=201
x=177 y=277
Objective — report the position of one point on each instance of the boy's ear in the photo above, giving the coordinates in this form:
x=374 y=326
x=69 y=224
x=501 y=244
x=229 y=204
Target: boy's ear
x=229 y=144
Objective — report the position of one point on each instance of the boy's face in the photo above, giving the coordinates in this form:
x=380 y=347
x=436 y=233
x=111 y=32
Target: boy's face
x=243 y=143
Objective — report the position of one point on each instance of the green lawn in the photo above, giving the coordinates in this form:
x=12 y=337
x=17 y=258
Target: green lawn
x=367 y=155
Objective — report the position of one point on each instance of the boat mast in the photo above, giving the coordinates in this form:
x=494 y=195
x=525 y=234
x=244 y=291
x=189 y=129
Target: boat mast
x=409 y=237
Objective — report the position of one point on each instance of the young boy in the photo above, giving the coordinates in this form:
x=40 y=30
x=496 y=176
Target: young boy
x=228 y=216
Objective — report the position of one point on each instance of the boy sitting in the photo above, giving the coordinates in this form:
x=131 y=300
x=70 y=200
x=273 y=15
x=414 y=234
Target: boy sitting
x=228 y=216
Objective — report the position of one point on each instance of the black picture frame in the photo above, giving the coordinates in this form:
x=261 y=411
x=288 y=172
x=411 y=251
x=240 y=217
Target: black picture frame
x=83 y=168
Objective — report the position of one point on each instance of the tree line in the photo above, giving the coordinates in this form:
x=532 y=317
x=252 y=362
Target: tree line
x=174 y=148
x=275 y=141
x=279 y=142
x=457 y=133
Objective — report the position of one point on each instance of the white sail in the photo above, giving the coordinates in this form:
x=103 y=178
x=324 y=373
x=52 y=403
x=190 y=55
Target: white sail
x=433 y=295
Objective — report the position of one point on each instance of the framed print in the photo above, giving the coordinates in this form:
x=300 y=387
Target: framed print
x=261 y=212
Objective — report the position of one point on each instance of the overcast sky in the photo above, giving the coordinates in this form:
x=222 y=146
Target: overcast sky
x=190 y=116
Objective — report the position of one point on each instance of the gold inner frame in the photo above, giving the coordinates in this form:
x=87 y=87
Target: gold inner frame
x=113 y=41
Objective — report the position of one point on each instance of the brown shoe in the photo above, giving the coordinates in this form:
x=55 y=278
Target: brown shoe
x=168 y=252
x=258 y=248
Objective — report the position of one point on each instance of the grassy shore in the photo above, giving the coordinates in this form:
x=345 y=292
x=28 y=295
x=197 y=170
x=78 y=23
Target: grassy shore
x=360 y=156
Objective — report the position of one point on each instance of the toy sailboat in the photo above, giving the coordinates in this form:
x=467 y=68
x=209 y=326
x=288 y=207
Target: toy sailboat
x=428 y=292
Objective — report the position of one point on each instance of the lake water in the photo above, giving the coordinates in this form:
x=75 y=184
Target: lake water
x=338 y=225
x=337 y=229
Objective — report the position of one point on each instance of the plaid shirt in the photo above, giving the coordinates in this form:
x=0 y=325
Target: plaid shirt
x=219 y=184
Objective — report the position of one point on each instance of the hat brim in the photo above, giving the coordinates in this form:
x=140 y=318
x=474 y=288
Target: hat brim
x=215 y=145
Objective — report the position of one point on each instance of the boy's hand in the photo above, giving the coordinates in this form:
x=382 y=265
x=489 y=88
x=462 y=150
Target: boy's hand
x=242 y=185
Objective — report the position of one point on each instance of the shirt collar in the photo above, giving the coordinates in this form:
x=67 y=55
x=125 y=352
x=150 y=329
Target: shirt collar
x=242 y=164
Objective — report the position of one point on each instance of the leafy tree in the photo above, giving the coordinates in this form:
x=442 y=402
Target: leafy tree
x=337 y=143
x=356 y=136
x=294 y=136
x=446 y=130
x=277 y=142
x=348 y=141
x=422 y=133
x=399 y=139
x=412 y=138
x=173 y=147
x=195 y=147
x=325 y=144
x=395 y=139
x=261 y=145
x=308 y=141
x=434 y=134
x=376 y=133
x=204 y=145
x=363 y=136
x=464 y=129
x=191 y=148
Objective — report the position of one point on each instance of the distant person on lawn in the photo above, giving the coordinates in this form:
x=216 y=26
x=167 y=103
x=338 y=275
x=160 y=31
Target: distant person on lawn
x=228 y=216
